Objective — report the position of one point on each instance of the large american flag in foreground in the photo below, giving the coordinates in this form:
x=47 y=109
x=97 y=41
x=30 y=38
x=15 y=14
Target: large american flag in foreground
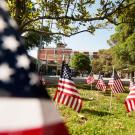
x=90 y=79
x=100 y=83
x=130 y=100
x=115 y=83
x=67 y=93
x=25 y=107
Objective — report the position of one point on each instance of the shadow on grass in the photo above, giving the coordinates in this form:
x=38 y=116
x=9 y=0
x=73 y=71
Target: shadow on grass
x=94 y=112
x=88 y=99
x=85 y=86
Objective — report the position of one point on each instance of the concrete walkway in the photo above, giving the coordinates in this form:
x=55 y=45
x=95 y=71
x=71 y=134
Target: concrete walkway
x=54 y=79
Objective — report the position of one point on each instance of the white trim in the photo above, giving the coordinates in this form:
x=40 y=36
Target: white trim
x=22 y=114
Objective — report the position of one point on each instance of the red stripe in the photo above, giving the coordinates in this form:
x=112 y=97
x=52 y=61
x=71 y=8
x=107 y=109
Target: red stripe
x=66 y=82
x=117 y=86
x=55 y=129
x=59 y=96
x=67 y=101
x=127 y=108
x=55 y=95
x=76 y=104
x=73 y=99
x=66 y=88
x=130 y=104
x=80 y=106
x=64 y=96
x=68 y=94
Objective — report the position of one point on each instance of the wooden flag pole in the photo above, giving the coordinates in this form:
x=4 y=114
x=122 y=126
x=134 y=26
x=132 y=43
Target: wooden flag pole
x=91 y=86
x=97 y=93
x=110 y=103
x=111 y=96
x=57 y=105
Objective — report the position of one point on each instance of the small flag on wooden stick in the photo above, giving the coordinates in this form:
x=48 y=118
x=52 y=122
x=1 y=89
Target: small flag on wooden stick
x=90 y=79
x=67 y=93
x=115 y=83
x=130 y=99
x=100 y=83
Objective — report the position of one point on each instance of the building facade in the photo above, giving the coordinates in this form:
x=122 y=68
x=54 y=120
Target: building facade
x=51 y=58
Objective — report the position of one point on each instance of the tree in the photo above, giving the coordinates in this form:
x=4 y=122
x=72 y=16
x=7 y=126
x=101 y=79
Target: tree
x=103 y=63
x=81 y=63
x=22 y=11
x=64 y=17
x=123 y=41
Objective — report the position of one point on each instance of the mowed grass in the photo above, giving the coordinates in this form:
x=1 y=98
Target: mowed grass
x=98 y=118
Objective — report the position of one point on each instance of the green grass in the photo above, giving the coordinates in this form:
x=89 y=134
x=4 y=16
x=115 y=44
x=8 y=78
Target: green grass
x=97 y=118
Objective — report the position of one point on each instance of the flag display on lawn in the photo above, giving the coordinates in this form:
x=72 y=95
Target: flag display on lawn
x=130 y=99
x=90 y=79
x=25 y=106
x=115 y=83
x=100 y=83
x=66 y=92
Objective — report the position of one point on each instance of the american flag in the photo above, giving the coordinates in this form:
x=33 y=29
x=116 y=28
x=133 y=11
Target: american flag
x=67 y=93
x=100 y=83
x=130 y=100
x=25 y=106
x=131 y=85
x=90 y=79
x=115 y=83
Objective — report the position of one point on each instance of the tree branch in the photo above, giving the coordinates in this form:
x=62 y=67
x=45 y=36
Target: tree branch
x=54 y=33
x=73 y=18
x=68 y=4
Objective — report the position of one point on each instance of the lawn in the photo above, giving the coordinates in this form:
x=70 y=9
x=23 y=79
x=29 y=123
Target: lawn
x=97 y=118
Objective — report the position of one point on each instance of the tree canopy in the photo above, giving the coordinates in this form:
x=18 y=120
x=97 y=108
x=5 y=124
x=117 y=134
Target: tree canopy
x=123 y=41
x=103 y=63
x=64 y=17
x=81 y=63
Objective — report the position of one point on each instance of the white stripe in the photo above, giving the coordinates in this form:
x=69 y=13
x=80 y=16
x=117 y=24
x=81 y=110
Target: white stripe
x=66 y=99
x=133 y=105
x=67 y=85
x=130 y=96
x=67 y=80
x=57 y=96
x=128 y=104
x=78 y=105
x=132 y=92
x=70 y=101
x=61 y=98
x=75 y=100
x=20 y=114
x=69 y=92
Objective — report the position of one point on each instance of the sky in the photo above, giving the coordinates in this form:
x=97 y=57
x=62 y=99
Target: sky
x=85 y=41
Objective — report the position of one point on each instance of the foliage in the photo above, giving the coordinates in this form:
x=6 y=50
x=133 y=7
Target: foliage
x=22 y=12
x=123 y=41
x=81 y=63
x=103 y=63
x=64 y=17
x=97 y=119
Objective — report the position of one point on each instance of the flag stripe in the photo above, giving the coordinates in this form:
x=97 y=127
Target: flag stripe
x=67 y=93
x=100 y=83
x=26 y=117
x=66 y=81
x=130 y=99
x=90 y=79
x=116 y=84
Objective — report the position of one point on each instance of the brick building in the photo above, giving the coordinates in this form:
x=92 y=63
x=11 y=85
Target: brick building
x=52 y=58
